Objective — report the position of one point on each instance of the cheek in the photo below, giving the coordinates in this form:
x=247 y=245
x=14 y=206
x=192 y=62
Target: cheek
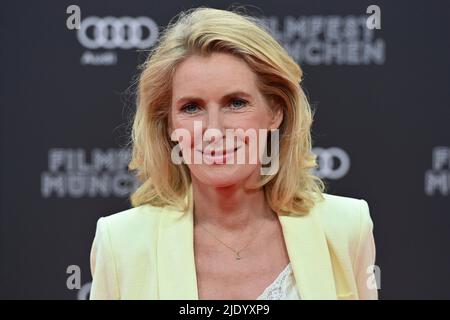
x=182 y=134
x=255 y=122
x=259 y=119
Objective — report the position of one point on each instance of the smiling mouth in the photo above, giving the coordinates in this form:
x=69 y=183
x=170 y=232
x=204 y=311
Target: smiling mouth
x=219 y=153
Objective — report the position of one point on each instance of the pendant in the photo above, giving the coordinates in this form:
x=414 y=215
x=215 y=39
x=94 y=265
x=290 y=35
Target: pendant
x=238 y=257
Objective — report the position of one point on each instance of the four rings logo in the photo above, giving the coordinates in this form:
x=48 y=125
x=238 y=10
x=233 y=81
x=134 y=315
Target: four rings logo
x=334 y=163
x=113 y=32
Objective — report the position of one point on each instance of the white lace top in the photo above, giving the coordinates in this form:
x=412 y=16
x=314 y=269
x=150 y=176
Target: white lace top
x=282 y=288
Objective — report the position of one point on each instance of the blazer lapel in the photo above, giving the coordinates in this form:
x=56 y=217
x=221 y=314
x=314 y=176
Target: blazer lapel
x=308 y=252
x=305 y=241
x=177 y=275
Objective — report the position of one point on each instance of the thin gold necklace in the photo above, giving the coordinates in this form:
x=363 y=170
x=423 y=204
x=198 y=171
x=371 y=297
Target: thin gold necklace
x=236 y=252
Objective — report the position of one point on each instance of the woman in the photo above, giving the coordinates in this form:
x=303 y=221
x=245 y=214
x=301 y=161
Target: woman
x=222 y=229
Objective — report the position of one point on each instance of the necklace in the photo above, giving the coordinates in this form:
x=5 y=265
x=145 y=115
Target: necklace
x=236 y=252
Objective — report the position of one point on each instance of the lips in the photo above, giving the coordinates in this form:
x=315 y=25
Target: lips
x=218 y=153
x=218 y=156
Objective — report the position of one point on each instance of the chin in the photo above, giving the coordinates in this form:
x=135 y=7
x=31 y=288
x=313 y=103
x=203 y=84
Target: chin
x=220 y=176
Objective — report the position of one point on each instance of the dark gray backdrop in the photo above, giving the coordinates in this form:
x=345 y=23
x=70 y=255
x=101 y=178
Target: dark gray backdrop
x=381 y=132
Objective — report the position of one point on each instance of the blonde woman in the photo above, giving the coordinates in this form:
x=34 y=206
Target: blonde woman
x=222 y=229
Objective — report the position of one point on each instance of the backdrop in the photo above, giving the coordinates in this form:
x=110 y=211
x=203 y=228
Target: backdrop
x=381 y=128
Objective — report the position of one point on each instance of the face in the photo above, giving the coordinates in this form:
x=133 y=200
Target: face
x=218 y=94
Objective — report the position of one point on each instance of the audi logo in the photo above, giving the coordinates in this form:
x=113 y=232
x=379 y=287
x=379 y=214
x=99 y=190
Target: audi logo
x=334 y=163
x=113 y=32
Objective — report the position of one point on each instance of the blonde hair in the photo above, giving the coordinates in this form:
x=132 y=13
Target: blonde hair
x=203 y=31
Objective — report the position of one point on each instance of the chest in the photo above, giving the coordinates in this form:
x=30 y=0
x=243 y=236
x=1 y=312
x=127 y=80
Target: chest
x=221 y=276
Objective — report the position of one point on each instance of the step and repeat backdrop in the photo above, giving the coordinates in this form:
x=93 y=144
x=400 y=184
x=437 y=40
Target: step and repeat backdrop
x=381 y=131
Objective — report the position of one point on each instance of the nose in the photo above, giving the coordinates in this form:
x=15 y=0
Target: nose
x=214 y=127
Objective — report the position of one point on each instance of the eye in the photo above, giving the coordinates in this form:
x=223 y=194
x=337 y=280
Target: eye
x=240 y=103
x=190 y=108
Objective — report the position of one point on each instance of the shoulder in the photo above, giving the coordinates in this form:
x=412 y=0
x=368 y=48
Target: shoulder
x=345 y=220
x=134 y=216
x=342 y=212
x=122 y=250
x=341 y=209
x=130 y=226
x=348 y=229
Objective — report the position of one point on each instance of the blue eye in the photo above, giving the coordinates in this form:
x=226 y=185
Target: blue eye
x=190 y=108
x=240 y=105
x=236 y=104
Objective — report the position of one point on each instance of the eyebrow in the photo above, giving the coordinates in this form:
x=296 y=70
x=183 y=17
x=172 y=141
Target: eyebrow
x=225 y=97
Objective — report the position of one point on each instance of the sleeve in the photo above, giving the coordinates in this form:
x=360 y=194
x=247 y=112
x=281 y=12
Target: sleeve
x=366 y=272
x=103 y=269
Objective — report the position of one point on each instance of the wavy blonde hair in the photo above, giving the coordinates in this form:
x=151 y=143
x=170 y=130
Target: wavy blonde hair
x=202 y=31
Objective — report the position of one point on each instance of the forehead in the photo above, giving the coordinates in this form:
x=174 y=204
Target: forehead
x=217 y=73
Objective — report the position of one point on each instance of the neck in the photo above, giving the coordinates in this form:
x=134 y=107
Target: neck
x=231 y=208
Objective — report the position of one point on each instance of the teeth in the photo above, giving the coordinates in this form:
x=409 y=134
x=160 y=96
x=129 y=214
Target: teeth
x=219 y=152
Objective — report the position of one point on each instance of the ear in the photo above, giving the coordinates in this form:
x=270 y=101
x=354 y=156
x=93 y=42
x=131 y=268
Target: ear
x=277 y=116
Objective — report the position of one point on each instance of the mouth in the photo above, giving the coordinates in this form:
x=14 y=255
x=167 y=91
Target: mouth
x=218 y=153
x=220 y=156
